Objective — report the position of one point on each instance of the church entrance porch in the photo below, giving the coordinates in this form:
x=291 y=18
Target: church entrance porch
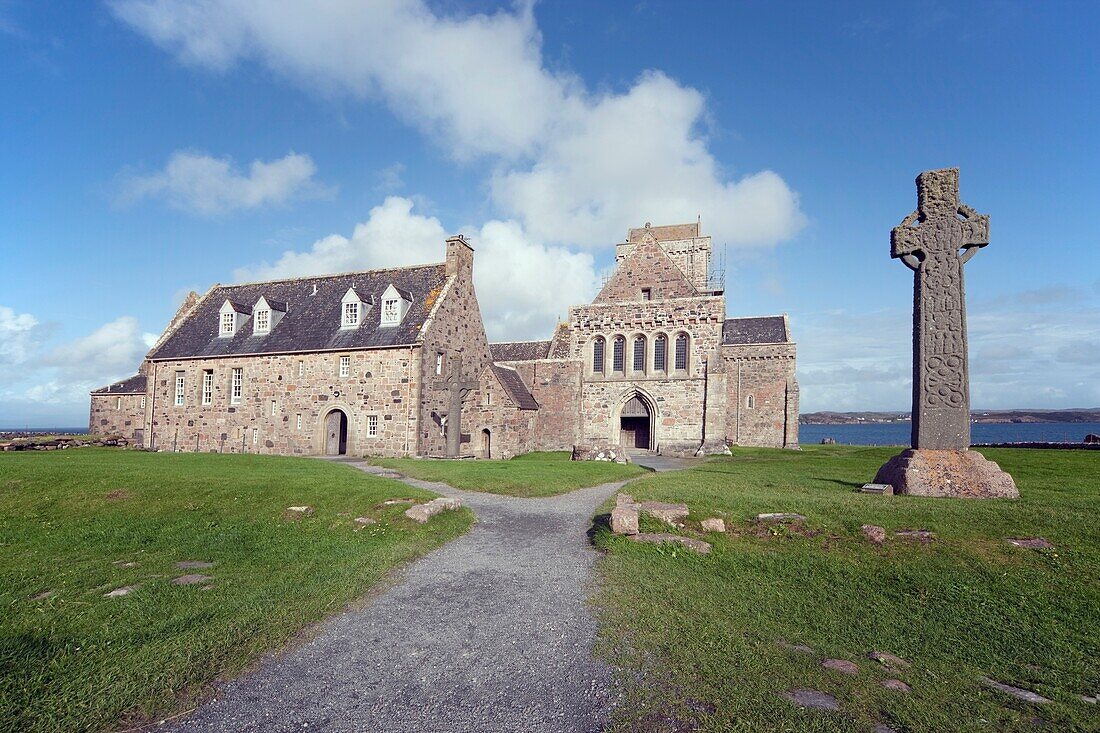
x=635 y=423
x=336 y=433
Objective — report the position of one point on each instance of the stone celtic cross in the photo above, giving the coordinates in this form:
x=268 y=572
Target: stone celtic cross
x=935 y=241
x=457 y=389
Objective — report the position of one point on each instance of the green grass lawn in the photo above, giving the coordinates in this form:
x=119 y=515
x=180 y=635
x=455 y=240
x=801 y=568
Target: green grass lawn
x=703 y=630
x=530 y=475
x=79 y=661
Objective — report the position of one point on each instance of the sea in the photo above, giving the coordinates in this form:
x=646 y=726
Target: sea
x=898 y=433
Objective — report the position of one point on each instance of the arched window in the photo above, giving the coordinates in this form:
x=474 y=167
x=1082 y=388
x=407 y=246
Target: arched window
x=617 y=349
x=750 y=402
x=681 y=351
x=660 y=353
x=639 y=353
x=597 y=354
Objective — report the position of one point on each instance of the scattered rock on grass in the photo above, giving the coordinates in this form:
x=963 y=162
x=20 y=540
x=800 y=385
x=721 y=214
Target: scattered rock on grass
x=1031 y=543
x=1090 y=700
x=193 y=564
x=841 y=665
x=657 y=537
x=624 y=520
x=714 y=524
x=888 y=660
x=667 y=513
x=883 y=728
x=43 y=595
x=915 y=535
x=294 y=513
x=1016 y=692
x=423 y=512
x=896 y=686
x=780 y=517
x=807 y=698
x=874 y=533
x=124 y=564
x=123 y=591
x=391 y=502
x=364 y=521
x=194 y=579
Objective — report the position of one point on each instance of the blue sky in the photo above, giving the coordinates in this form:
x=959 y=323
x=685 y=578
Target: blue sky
x=150 y=148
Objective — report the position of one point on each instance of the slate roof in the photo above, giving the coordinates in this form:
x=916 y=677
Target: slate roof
x=520 y=350
x=312 y=321
x=133 y=385
x=766 y=330
x=517 y=390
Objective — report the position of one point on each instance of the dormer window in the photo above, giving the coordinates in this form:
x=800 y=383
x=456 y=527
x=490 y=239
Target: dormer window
x=230 y=317
x=351 y=315
x=266 y=315
x=352 y=307
x=395 y=304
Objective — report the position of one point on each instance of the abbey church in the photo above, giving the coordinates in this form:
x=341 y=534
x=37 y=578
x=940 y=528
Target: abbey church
x=396 y=363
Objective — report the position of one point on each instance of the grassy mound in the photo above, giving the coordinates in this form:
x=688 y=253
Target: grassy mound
x=707 y=632
x=80 y=523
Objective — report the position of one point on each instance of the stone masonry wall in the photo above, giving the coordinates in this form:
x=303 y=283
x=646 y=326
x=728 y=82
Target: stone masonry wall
x=117 y=414
x=382 y=382
x=556 y=386
x=489 y=408
x=767 y=373
x=456 y=326
x=647 y=266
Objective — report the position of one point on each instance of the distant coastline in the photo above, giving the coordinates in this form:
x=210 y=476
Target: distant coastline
x=987 y=417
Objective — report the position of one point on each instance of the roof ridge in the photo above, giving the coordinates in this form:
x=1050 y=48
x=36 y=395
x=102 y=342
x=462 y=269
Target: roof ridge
x=522 y=341
x=327 y=275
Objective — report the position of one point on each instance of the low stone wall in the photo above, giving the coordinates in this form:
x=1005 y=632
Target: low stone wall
x=62 y=443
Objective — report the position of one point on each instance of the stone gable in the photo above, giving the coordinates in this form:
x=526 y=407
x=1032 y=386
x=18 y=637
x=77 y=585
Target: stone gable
x=647 y=267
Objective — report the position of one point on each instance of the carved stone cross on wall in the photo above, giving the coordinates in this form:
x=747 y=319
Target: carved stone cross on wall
x=935 y=241
x=457 y=389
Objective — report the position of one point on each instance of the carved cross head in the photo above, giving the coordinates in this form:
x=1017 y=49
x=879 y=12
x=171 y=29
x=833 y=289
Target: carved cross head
x=941 y=224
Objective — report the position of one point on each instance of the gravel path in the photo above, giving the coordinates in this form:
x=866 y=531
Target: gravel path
x=491 y=632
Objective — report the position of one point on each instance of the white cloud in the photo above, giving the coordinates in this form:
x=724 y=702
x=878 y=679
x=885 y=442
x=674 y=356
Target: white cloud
x=506 y=265
x=572 y=166
x=18 y=336
x=198 y=183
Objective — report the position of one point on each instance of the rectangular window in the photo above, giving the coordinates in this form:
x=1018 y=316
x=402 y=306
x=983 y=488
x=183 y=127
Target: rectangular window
x=390 y=311
x=488 y=397
x=143 y=402
x=263 y=320
x=345 y=366
x=299 y=421
x=351 y=315
x=118 y=404
x=372 y=426
x=274 y=408
x=439 y=363
x=647 y=294
x=228 y=322
x=179 y=388
x=235 y=386
x=255 y=436
x=639 y=354
x=301 y=368
x=617 y=354
x=207 y=386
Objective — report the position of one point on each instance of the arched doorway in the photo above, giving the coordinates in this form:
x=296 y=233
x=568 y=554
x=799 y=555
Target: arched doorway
x=336 y=433
x=636 y=424
x=486 y=444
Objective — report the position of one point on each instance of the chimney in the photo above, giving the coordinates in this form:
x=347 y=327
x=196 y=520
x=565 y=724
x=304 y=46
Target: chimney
x=460 y=256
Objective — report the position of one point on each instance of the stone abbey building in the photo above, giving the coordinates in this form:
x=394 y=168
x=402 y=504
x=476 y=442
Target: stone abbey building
x=396 y=362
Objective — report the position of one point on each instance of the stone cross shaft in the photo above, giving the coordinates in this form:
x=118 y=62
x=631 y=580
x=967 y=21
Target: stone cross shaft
x=935 y=241
x=457 y=389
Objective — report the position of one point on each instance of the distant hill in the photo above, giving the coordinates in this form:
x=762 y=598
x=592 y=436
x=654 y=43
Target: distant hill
x=1073 y=415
